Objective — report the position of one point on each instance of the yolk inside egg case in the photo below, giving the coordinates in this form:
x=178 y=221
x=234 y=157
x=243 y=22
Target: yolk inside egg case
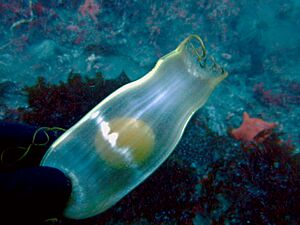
x=124 y=142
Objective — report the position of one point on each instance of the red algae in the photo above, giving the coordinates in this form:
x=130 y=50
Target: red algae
x=258 y=185
x=65 y=103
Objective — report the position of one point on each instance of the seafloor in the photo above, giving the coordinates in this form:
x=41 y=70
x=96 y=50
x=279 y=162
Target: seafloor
x=211 y=178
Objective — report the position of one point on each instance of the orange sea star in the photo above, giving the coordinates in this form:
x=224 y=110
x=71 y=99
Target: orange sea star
x=250 y=128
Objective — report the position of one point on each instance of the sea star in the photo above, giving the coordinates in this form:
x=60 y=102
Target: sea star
x=91 y=8
x=250 y=128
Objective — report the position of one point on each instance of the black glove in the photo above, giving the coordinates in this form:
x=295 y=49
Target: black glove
x=29 y=194
x=23 y=145
x=32 y=195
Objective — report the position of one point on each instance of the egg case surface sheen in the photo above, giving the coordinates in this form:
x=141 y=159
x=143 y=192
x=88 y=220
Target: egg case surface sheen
x=103 y=169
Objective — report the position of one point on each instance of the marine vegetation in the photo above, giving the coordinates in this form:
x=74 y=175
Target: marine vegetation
x=65 y=103
x=289 y=94
x=167 y=197
x=260 y=184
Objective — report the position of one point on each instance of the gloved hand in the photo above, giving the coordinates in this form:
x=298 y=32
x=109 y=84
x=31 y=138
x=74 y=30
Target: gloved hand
x=29 y=194
x=32 y=195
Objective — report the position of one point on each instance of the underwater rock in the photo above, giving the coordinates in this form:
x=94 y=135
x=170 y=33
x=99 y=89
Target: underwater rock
x=46 y=50
x=112 y=66
x=11 y=96
x=6 y=87
x=100 y=49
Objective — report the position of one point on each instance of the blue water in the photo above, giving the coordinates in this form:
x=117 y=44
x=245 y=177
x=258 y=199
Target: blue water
x=256 y=41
